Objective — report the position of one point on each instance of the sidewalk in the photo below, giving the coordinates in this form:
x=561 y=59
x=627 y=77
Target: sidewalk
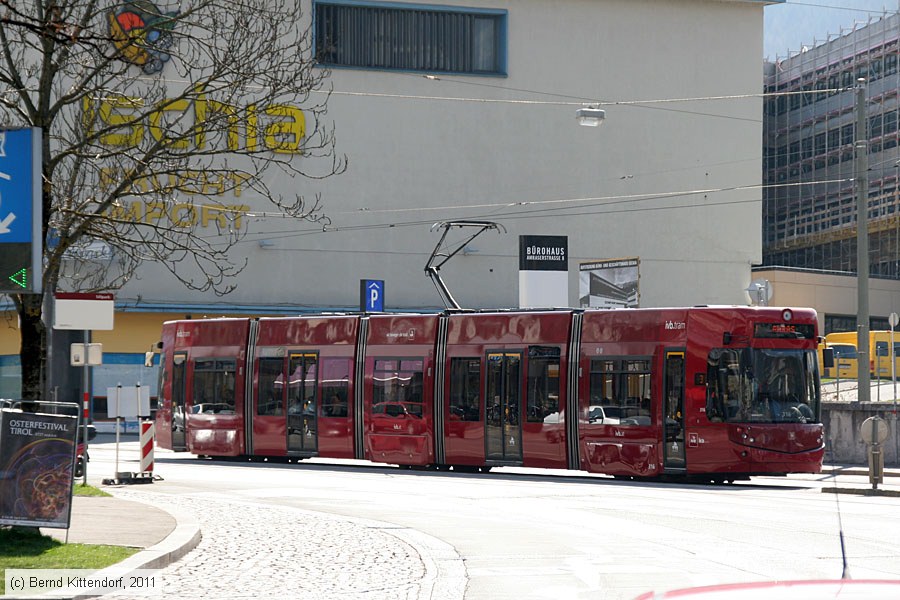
x=320 y=556
x=112 y=521
x=163 y=537
x=889 y=487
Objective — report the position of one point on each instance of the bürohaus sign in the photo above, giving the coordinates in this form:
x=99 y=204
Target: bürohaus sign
x=543 y=253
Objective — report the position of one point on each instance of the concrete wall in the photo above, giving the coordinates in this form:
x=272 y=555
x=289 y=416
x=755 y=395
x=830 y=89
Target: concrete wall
x=842 y=422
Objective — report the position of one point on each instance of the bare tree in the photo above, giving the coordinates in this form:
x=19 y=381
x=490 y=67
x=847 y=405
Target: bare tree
x=177 y=106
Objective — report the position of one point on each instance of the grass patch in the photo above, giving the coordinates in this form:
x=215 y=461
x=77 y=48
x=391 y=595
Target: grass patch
x=23 y=548
x=82 y=489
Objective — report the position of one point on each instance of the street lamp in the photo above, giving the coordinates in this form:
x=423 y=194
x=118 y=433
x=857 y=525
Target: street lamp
x=590 y=116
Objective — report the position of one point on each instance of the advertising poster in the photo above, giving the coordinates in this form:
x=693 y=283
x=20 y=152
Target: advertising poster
x=612 y=283
x=37 y=455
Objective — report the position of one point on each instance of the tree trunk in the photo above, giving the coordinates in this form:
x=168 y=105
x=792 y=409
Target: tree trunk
x=31 y=351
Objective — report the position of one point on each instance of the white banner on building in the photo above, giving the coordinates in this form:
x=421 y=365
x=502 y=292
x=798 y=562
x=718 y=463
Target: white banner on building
x=611 y=283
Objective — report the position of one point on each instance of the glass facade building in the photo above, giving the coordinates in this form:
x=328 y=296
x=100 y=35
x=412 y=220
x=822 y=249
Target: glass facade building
x=809 y=198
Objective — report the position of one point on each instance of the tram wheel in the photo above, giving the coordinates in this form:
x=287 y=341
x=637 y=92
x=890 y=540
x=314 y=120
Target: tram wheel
x=485 y=469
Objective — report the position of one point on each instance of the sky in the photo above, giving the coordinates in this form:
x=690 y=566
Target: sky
x=795 y=23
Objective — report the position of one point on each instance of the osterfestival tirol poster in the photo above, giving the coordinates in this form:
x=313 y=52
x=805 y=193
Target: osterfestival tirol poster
x=37 y=456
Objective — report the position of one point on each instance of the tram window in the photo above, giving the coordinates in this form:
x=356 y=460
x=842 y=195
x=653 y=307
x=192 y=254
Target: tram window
x=303 y=370
x=813 y=390
x=543 y=382
x=602 y=381
x=620 y=392
x=270 y=399
x=398 y=381
x=761 y=386
x=727 y=395
x=465 y=384
x=213 y=391
x=335 y=387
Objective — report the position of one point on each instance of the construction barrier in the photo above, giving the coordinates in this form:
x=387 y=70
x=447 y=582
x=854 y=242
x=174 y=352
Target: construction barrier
x=148 y=438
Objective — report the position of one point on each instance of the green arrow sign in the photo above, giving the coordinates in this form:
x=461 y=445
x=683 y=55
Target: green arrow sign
x=20 y=278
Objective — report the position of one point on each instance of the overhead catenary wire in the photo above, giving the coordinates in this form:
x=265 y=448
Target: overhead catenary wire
x=506 y=205
x=601 y=203
x=604 y=208
x=607 y=200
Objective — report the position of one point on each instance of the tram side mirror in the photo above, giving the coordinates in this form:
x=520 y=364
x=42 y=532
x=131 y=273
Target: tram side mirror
x=148 y=356
x=828 y=358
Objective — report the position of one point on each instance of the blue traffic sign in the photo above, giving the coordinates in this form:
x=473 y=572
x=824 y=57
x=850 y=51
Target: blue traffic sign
x=371 y=295
x=20 y=210
x=17 y=186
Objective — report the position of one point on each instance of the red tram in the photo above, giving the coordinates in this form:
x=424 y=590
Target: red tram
x=717 y=393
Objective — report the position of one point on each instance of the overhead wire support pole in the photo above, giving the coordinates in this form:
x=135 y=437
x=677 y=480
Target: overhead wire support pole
x=862 y=243
x=433 y=267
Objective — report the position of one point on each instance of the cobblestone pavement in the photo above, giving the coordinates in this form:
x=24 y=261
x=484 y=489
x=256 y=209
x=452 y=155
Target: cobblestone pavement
x=252 y=550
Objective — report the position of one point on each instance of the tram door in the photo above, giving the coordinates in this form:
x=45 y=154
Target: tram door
x=673 y=409
x=178 y=393
x=301 y=413
x=503 y=431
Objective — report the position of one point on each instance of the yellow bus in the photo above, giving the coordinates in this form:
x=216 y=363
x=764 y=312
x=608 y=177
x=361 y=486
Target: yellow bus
x=846 y=361
x=879 y=354
x=881 y=342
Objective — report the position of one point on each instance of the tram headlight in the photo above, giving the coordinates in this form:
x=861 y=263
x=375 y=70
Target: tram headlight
x=787 y=314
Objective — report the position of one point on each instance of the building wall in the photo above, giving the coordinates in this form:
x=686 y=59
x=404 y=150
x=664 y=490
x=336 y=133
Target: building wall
x=831 y=294
x=414 y=161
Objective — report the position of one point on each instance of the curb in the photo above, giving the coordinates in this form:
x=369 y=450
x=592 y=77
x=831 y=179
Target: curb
x=182 y=540
x=445 y=575
x=179 y=542
x=861 y=491
x=445 y=571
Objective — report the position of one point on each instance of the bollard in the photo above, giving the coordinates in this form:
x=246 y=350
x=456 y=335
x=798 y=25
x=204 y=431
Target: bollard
x=874 y=431
x=876 y=466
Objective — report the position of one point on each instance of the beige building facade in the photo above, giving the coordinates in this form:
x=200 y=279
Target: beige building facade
x=833 y=295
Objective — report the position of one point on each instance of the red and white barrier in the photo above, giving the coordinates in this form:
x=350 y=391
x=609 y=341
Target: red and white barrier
x=148 y=435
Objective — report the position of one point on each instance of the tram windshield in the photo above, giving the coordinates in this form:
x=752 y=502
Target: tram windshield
x=757 y=385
